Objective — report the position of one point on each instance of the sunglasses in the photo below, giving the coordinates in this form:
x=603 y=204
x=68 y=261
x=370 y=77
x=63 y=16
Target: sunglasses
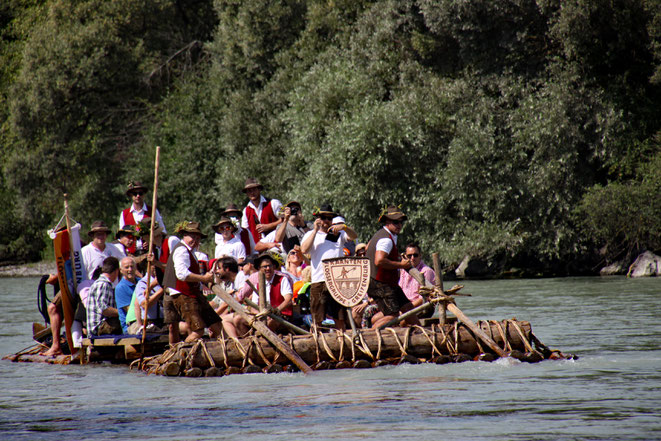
x=326 y=218
x=226 y=228
x=292 y=253
x=413 y=255
x=138 y=193
x=397 y=222
x=265 y=266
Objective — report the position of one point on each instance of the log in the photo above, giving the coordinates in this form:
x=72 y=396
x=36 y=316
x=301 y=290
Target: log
x=419 y=345
x=461 y=316
x=262 y=329
x=442 y=309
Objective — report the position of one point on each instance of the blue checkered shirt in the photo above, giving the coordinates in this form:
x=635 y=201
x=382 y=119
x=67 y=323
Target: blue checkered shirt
x=101 y=297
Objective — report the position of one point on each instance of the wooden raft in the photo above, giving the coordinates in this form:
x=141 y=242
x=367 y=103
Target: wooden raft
x=439 y=344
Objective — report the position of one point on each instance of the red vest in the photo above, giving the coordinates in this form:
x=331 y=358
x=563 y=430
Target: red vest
x=245 y=240
x=190 y=289
x=389 y=276
x=267 y=217
x=276 y=298
x=127 y=216
x=165 y=250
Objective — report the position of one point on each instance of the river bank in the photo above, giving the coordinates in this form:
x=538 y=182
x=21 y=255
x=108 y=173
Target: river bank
x=35 y=269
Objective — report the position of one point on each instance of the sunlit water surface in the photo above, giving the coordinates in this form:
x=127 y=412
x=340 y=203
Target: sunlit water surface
x=613 y=391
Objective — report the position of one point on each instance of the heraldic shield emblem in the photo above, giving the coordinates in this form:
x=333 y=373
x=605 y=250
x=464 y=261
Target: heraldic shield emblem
x=347 y=279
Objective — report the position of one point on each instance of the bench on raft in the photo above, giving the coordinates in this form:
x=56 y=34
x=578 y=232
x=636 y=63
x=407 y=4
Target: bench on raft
x=121 y=347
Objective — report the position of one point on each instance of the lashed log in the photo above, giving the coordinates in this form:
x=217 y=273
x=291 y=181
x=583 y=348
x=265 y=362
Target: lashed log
x=463 y=317
x=262 y=329
x=419 y=345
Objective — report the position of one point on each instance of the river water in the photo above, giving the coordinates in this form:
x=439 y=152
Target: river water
x=612 y=392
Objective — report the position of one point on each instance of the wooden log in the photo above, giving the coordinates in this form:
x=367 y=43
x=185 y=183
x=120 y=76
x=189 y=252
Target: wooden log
x=262 y=329
x=463 y=317
x=306 y=348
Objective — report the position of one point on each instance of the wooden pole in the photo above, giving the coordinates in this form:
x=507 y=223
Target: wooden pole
x=442 y=307
x=262 y=329
x=151 y=250
x=262 y=291
x=67 y=305
x=280 y=320
x=461 y=316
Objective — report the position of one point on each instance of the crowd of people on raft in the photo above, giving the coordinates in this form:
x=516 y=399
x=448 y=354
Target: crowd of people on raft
x=263 y=237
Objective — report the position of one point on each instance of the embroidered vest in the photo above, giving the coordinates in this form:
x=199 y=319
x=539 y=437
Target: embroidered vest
x=245 y=240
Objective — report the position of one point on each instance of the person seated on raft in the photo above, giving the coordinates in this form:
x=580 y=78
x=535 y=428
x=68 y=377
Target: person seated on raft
x=409 y=285
x=155 y=308
x=278 y=292
x=124 y=289
x=102 y=315
x=225 y=272
x=230 y=244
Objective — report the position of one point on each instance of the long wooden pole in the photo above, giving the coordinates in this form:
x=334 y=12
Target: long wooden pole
x=151 y=250
x=462 y=317
x=262 y=329
x=67 y=305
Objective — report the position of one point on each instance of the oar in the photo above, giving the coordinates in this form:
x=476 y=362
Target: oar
x=262 y=329
x=151 y=250
x=461 y=316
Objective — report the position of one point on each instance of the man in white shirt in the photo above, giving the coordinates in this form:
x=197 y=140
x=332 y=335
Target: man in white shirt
x=182 y=282
x=138 y=209
x=325 y=241
x=98 y=249
x=260 y=216
x=278 y=289
x=385 y=263
x=230 y=244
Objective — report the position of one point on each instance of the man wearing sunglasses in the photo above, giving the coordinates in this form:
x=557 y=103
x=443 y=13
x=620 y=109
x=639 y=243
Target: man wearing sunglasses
x=138 y=210
x=385 y=264
x=325 y=241
x=408 y=284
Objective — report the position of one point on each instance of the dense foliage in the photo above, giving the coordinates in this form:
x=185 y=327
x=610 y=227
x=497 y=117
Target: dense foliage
x=523 y=130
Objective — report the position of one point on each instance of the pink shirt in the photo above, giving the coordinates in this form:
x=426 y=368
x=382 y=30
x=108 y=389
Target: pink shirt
x=410 y=286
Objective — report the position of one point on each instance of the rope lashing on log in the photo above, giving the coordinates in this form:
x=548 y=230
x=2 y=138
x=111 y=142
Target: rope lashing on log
x=506 y=344
x=431 y=342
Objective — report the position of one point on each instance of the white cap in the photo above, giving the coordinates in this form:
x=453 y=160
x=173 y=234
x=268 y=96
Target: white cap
x=338 y=220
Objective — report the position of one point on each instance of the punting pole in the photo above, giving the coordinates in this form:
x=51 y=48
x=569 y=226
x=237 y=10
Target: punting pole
x=151 y=250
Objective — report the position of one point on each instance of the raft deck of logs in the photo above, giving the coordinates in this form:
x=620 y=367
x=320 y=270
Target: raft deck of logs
x=452 y=342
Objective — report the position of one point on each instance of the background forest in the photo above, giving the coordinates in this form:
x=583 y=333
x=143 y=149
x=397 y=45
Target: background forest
x=526 y=133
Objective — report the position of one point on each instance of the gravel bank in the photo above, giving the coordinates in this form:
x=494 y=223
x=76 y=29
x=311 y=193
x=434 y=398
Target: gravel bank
x=28 y=270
